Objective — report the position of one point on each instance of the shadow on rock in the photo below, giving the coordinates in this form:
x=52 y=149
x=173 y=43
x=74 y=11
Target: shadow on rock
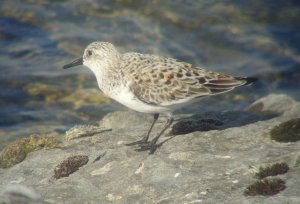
x=217 y=121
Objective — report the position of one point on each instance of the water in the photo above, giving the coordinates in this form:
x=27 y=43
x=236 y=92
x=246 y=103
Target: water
x=246 y=38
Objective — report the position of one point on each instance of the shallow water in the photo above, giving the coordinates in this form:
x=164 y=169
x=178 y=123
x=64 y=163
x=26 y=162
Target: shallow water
x=246 y=38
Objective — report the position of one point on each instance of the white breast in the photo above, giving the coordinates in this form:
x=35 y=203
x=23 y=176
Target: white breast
x=122 y=93
x=124 y=96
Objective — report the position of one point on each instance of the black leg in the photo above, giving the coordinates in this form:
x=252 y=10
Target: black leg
x=152 y=146
x=146 y=137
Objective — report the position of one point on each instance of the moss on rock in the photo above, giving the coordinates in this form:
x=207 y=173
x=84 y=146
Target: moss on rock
x=17 y=151
x=70 y=165
x=272 y=170
x=78 y=98
x=297 y=162
x=266 y=187
x=288 y=131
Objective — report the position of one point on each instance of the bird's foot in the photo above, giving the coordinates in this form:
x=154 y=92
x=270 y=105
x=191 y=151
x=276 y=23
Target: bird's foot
x=148 y=146
x=139 y=142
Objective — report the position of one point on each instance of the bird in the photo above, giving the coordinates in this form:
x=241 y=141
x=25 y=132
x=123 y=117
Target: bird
x=152 y=84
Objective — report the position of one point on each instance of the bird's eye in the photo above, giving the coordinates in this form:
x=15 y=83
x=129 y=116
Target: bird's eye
x=89 y=53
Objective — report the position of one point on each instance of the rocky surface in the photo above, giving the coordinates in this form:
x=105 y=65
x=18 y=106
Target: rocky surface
x=210 y=165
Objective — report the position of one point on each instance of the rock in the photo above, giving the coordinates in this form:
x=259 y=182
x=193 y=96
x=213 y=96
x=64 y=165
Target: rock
x=84 y=131
x=281 y=104
x=121 y=119
x=54 y=93
x=213 y=165
x=16 y=194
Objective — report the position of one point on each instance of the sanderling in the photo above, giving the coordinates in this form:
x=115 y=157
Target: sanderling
x=152 y=84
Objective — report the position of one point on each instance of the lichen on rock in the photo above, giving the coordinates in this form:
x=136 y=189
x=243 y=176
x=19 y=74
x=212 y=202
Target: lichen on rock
x=272 y=170
x=288 y=131
x=84 y=131
x=17 y=151
x=70 y=165
x=266 y=187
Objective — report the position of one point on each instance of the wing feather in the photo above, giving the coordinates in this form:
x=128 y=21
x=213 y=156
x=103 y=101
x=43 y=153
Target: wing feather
x=165 y=81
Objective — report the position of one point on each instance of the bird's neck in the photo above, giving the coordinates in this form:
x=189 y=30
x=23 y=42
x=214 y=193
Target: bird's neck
x=108 y=75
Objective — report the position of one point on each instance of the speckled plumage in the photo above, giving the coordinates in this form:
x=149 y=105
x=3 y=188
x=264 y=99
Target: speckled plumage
x=167 y=82
x=152 y=84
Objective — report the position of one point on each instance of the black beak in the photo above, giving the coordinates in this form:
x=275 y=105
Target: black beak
x=74 y=63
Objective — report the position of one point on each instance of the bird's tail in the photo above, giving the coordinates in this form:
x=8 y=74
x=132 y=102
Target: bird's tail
x=247 y=80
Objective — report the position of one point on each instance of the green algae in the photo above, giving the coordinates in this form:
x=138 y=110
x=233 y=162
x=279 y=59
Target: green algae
x=297 y=162
x=53 y=94
x=272 y=170
x=266 y=187
x=17 y=151
x=288 y=131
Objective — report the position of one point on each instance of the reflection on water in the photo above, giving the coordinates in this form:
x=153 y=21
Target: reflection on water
x=247 y=38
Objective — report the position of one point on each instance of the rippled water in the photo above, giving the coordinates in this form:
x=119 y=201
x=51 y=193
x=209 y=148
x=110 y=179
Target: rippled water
x=247 y=38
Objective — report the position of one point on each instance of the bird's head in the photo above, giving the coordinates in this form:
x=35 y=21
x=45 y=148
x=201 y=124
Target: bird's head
x=96 y=55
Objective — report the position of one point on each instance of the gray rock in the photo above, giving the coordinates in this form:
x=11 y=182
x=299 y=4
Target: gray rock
x=121 y=119
x=84 y=131
x=16 y=194
x=206 y=166
x=277 y=103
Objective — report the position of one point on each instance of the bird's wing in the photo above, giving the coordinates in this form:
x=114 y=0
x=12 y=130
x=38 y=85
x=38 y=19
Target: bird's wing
x=165 y=81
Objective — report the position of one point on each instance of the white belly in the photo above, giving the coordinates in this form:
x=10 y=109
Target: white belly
x=126 y=97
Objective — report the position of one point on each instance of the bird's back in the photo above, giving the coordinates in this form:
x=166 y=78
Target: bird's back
x=165 y=82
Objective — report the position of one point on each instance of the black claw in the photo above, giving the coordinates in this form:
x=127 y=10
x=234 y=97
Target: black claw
x=145 y=138
x=151 y=147
x=145 y=145
x=139 y=142
x=140 y=150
